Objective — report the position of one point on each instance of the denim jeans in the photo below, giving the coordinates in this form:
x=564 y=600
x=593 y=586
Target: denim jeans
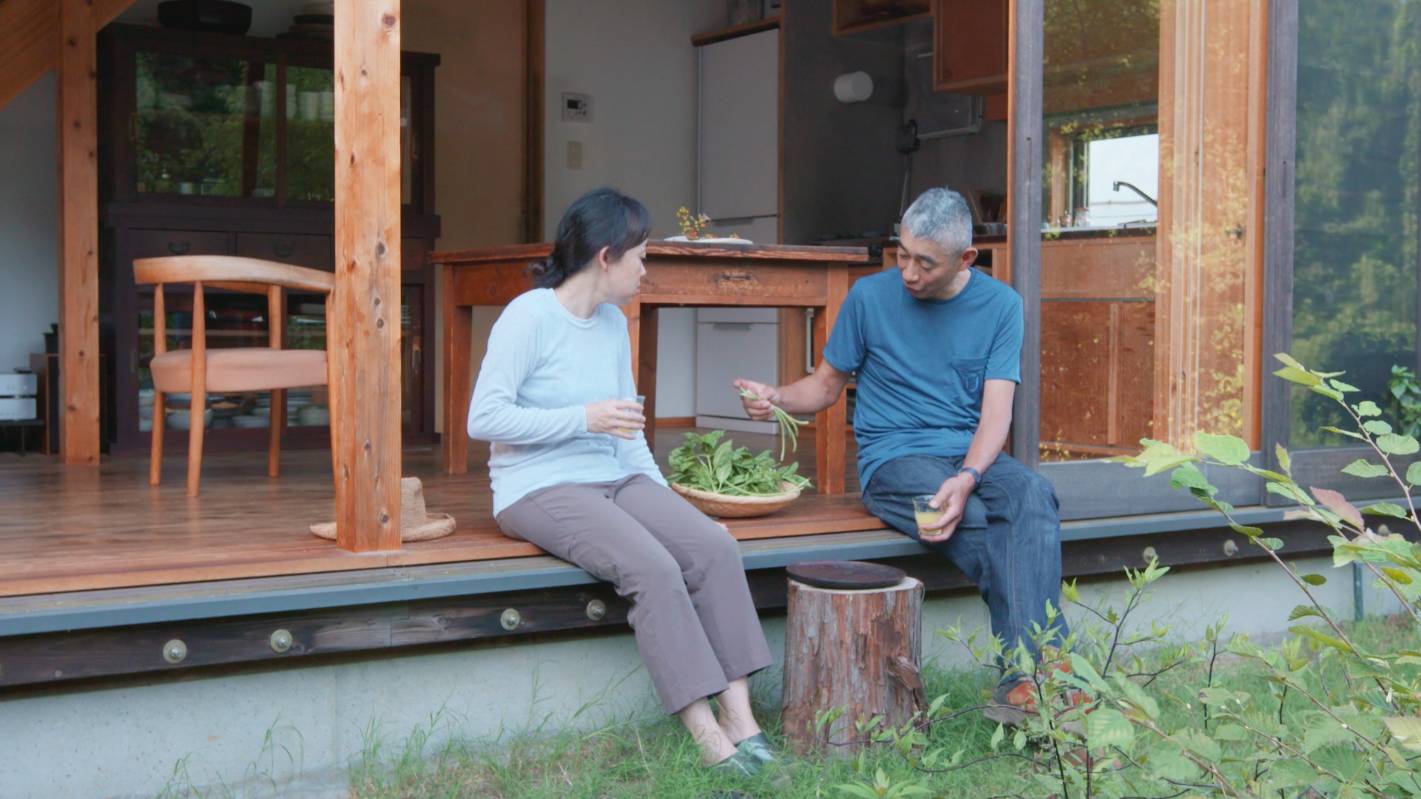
x=1008 y=542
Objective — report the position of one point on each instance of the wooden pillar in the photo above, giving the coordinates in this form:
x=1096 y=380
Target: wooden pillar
x=78 y=236
x=1026 y=26
x=364 y=337
x=1209 y=246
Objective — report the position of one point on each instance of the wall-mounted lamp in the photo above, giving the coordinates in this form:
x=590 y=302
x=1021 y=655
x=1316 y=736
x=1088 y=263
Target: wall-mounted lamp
x=853 y=87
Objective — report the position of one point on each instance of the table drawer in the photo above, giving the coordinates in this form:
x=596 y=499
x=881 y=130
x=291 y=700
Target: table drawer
x=732 y=284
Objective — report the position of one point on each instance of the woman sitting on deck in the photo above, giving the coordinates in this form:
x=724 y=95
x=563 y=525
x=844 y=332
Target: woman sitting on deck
x=572 y=473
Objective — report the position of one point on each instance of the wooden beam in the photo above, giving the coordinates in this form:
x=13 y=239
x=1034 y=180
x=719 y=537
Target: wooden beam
x=534 y=78
x=29 y=39
x=78 y=236
x=1024 y=152
x=1209 y=289
x=364 y=348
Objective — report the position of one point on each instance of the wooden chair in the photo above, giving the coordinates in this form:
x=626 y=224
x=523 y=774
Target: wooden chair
x=237 y=369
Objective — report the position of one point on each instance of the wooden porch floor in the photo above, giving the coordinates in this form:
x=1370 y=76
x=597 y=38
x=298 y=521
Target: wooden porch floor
x=70 y=529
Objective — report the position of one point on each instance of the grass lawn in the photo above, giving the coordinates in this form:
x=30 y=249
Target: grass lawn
x=657 y=759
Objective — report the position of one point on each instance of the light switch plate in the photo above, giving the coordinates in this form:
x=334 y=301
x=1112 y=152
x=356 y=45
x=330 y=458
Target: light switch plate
x=576 y=107
x=574 y=155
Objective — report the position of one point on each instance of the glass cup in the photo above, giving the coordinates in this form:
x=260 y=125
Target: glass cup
x=925 y=513
x=640 y=400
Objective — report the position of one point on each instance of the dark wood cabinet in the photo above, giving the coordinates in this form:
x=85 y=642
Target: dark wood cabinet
x=853 y=16
x=970 y=46
x=214 y=144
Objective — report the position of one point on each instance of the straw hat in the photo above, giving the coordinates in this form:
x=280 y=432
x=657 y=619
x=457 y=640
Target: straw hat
x=415 y=523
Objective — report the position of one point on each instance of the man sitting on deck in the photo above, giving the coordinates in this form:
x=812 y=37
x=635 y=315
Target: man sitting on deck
x=936 y=348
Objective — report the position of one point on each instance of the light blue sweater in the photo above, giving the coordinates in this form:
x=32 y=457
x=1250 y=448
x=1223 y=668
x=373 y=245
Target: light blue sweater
x=543 y=365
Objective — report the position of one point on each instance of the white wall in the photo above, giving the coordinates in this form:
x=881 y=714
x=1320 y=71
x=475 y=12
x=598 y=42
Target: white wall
x=29 y=223
x=635 y=59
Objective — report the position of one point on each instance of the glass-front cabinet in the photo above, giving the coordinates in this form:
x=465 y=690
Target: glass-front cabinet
x=224 y=145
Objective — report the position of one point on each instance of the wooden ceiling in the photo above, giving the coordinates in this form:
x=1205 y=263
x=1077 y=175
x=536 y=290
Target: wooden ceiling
x=29 y=40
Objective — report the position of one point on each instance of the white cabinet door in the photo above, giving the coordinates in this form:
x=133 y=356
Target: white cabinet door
x=725 y=351
x=739 y=126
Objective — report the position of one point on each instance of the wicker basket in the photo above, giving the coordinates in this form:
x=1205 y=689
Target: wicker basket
x=735 y=507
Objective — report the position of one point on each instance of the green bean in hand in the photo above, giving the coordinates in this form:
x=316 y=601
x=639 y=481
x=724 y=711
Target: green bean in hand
x=789 y=426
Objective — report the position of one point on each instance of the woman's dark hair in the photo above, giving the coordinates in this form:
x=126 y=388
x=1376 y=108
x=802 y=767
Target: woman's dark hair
x=600 y=218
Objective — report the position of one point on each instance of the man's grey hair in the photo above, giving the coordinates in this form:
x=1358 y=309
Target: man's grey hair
x=941 y=215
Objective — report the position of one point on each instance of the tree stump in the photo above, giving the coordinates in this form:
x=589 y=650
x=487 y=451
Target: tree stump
x=855 y=650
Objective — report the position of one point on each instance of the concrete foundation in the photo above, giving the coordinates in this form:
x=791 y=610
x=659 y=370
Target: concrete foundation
x=296 y=731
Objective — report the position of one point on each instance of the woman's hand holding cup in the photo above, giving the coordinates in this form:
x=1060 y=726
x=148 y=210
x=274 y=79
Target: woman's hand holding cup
x=621 y=418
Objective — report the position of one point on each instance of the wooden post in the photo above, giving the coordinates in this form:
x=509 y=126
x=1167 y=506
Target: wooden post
x=78 y=236
x=364 y=338
x=855 y=650
x=1208 y=333
x=831 y=423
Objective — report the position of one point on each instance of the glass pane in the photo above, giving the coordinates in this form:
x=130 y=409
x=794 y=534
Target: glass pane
x=1100 y=186
x=1355 y=261
x=310 y=125
x=204 y=126
x=310 y=134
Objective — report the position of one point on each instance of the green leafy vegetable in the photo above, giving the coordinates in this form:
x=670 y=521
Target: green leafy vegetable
x=789 y=426
x=710 y=464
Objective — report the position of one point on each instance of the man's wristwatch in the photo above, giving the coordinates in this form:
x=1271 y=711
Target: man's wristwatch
x=976 y=475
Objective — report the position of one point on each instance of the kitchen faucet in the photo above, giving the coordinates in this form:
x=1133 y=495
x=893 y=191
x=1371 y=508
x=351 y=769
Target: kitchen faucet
x=1132 y=187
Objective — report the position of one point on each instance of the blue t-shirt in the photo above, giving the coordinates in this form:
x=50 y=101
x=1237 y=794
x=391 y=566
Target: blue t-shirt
x=921 y=363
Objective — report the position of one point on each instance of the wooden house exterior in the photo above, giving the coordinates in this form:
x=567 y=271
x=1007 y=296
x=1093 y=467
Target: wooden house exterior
x=1157 y=333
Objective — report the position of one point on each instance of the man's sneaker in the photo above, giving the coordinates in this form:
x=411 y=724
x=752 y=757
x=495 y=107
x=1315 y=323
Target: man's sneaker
x=1015 y=701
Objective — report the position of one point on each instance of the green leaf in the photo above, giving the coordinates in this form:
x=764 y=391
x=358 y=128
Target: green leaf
x=1368 y=408
x=1413 y=473
x=1313 y=579
x=1199 y=744
x=1288 y=360
x=1230 y=732
x=1284 y=459
x=1323 y=639
x=1229 y=450
x=1342 y=432
x=1293 y=374
x=1376 y=427
x=997 y=737
x=1393 y=444
x=1386 y=509
x=1324 y=732
x=1188 y=476
x=1243 y=529
x=1304 y=611
x=1406 y=730
x=1270 y=544
x=1108 y=727
x=1397 y=574
x=1290 y=491
x=1343 y=387
x=1364 y=469
x=1326 y=391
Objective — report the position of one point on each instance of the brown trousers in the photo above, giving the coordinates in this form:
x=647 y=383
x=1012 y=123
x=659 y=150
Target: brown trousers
x=695 y=623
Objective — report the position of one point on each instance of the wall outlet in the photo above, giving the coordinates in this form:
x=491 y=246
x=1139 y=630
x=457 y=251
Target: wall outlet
x=574 y=155
x=576 y=107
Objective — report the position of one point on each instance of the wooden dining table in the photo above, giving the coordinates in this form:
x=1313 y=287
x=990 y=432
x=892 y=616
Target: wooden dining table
x=678 y=274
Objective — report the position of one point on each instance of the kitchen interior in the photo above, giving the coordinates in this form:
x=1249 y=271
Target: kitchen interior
x=786 y=121
x=884 y=99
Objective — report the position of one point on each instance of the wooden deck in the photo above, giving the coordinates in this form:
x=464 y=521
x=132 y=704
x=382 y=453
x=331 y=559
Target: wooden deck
x=78 y=528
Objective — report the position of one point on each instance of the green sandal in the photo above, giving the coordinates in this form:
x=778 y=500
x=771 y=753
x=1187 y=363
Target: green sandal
x=740 y=764
x=758 y=747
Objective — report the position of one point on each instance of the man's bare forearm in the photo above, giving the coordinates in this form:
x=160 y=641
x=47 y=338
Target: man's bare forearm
x=813 y=393
x=992 y=429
